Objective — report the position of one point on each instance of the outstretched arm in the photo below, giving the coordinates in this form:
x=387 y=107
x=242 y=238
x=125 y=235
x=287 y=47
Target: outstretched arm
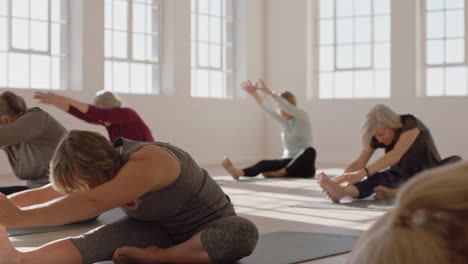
x=283 y=103
x=252 y=90
x=35 y=196
x=60 y=102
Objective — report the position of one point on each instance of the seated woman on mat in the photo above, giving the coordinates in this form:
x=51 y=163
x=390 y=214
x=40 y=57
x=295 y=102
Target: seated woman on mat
x=298 y=155
x=176 y=213
x=29 y=138
x=409 y=149
x=105 y=110
x=429 y=223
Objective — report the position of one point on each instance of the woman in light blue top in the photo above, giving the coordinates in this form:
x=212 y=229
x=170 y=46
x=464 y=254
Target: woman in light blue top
x=298 y=155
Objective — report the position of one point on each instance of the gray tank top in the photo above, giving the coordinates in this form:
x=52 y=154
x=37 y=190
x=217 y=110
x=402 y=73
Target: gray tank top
x=422 y=154
x=193 y=200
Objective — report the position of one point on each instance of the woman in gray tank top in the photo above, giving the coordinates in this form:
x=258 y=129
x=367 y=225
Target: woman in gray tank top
x=176 y=213
x=29 y=138
x=409 y=149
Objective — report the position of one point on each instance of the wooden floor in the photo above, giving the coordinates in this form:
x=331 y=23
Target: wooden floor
x=271 y=205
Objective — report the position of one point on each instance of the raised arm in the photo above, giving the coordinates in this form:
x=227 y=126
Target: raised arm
x=60 y=102
x=283 y=103
x=252 y=90
x=391 y=158
x=148 y=169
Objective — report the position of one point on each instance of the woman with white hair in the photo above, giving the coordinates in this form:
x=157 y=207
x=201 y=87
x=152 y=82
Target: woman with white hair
x=409 y=149
x=105 y=110
x=428 y=225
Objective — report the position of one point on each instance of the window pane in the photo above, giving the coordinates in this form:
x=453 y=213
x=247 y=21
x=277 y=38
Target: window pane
x=382 y=7
x=39 y=36
x=362 y=56
x=3 y=34
x=108 y=14
x=326 y=31
x=363 y=30
x=435 y=52
x=455 y=26
x=435 y=24
x=203 y=54
x=119 y=47
x=362 y=7
x=152 y=77
x=139 y=47
x=343 y=84
x=39 y=9
x=55 y=10
x=345 y=31
x=382 y=84
x=152 y=24
x=20 y=8
x=20 y=33
x=326 y=85
x=215 y=28
x=229 y=34
x=345 y=55
x=40 y=71
x=152 y=48
x=382 y=30
x=203 y=83
x=434 y=4
x=326 y=8
x=449 y=4
x=138 y=78
x=435 y=81
x=215 y=9
x=139 y=13
x=326 y=59
x=382 y=56
x=344 y=8
x=121 y=77
x=217 y=84
x=18 y=69
x=229 y=61
x=364 y=84
x=120 y=15
x=56 y=73
x=3 y=69
x=108 y=75
x=3 y=7
x=108 y=43
x=204 y=6
x=215 y=56
x=455 y=80
x=203 y=27
x=455 y=51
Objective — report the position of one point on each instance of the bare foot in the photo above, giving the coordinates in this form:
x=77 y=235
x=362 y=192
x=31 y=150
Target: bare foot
x=137 y=255
x=235 y=172
x=382 y=192
x=331 y=188
x=8 y=254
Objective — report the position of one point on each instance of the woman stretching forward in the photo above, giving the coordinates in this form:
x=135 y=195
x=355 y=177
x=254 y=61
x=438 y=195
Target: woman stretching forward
x=298 y=155
x=409 y=149
x=176 y=213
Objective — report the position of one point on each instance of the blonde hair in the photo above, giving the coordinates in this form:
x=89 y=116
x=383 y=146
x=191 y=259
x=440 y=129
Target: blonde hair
x=427 y=224
x=12 y=104
x=289 y=96
x=379 y=116
x=82 y=161
x=106 y=99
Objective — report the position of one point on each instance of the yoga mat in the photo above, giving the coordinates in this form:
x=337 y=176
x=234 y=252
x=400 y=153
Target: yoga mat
x=105 y=218
x=292 y=247
x=365 y=204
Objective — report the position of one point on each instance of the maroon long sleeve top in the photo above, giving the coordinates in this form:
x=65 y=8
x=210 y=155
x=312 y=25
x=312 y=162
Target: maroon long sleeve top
x=124 y=122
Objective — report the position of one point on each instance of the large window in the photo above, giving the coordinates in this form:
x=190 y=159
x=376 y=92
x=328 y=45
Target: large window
x=445 y=49
x=34 y=44
x=353 y=48
x=212 y=48
x=132 y=37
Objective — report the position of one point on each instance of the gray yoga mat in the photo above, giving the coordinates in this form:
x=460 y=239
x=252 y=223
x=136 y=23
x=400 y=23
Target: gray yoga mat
x=105 y=218
x=365 y=204
x=292 y=247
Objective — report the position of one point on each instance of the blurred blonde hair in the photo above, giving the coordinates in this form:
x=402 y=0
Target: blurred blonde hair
x=380 y=116
x=289 y=96
x=106 y=99
x=427 y=224
x=82 y=161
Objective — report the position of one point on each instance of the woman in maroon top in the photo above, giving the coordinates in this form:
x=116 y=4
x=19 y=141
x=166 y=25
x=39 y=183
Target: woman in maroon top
x=105 y=110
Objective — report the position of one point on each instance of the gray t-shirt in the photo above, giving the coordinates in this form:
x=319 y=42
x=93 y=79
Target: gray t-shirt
x=296 y=132
x=29 y=143
x=192 y=201
x=421 y=155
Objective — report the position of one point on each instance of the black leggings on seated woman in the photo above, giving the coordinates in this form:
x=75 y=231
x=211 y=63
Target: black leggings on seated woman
x=301 y=166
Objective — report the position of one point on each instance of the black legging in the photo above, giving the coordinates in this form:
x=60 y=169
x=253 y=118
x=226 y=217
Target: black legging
x=302 y=166
x=7 y=190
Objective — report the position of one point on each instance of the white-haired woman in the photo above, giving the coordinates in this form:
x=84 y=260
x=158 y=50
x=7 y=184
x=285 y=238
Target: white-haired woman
x=106 y=109
x=428 y=225
x=409 y=149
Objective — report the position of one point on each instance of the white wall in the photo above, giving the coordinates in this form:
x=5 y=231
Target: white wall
x=336 y=123
x=206 y=128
